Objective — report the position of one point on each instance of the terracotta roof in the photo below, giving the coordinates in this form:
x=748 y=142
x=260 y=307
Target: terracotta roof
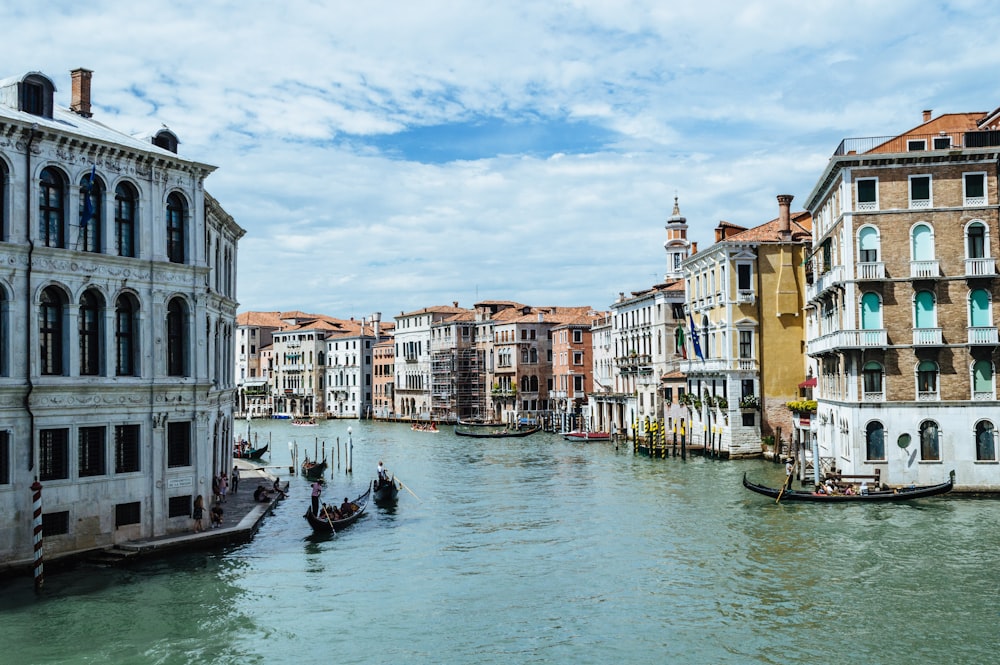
x=801 y=227
x=262 y=319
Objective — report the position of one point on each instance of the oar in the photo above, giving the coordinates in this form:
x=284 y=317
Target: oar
x=408 y=489
x=788 y=480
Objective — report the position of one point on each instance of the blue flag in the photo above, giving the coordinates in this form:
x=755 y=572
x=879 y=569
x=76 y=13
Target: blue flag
x=694 y=338
x=88 y=202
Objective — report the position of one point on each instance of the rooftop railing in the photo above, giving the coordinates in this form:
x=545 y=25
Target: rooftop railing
x=918 y=142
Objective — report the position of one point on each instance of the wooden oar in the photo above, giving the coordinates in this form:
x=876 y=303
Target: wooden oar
x=788 y=481
x=408 y=489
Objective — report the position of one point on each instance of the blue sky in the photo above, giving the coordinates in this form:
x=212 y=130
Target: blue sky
x=387 y=156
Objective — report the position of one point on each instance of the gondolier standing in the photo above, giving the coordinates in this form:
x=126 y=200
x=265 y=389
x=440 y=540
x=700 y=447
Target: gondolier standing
x=317 y=489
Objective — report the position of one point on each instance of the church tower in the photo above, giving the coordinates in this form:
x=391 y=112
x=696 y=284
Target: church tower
x=677 y=245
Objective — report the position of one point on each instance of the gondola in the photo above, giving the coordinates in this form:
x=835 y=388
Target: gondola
x=385 y=492
x=321 y=525
x=882 y=495
x=587 y=436
x=313 y=470
x=504 y=433
x=251 y=453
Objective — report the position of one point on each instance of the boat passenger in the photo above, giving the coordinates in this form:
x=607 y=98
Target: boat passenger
x=864 y=487
x=345 y=508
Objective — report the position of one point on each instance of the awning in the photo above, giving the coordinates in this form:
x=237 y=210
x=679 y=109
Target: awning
x=808 y=383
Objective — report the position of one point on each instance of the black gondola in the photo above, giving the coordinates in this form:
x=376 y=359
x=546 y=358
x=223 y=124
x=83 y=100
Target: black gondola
x=385 y=492
x=321 y=525
x=251 y=453
x=504 y=433
x=313 y=470
x=906 y=493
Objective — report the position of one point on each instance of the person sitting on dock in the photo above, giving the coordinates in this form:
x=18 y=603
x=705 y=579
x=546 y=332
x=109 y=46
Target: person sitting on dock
x=261 y=494
x=277 y=489
x=216 y=516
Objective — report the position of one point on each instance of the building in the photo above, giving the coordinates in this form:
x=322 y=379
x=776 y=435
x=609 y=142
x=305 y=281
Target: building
x=413 y=384
x=572 y=371
x=902 y=321
x=350 y=368
x=254 y=335
x=383 y=378
x=746 y=346
x=458 y=379
x=117 y=330
x=298 y=376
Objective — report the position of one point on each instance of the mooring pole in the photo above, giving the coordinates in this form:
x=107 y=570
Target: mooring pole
x=36 y=500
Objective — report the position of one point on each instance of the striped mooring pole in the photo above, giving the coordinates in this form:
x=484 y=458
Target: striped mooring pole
x=36 y=497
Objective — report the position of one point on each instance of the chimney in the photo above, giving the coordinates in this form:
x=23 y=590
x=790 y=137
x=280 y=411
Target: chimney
x=694 y=248
x=927 y=115
x=80 y=100
x=376 y=320
x=784 y=218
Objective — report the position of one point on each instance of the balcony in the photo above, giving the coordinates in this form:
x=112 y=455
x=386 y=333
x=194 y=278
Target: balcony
x=928 y=396
x=986 y=267
x=908 y=142
x=869 y=271
x=745 y=297
x=873 y=397
x=982 y=335
x=984 y=396
x=826 y=280
x=849 y=339
x=722 y=365
x=927 y=337
x=925 y=269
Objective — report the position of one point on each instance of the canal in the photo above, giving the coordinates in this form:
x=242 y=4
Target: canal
x=539 y=550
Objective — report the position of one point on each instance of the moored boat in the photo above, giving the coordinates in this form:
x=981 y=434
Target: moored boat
x=245 y=452
x=310 y=422
x=312 y=469
x=322 y=524
x=579 y=435
x=501 y=433
x=905 y=493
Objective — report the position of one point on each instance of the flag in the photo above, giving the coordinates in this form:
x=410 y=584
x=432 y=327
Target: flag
x=88 y=202
x=694 y=338
x=679 y=342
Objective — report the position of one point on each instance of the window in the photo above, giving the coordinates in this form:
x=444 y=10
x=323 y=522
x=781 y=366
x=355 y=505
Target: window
x=91 y=451
x=924 y=310
x=746 y=344
x=871 y=377
x=871 y=312
x=4 y=457
x=975 y=241
x=930 y=444
x=53 y=454
x=867 y=194
x=982 y=380
x=178 y=444
x=3 y=201
x=128 y=513
x=50 y=332
x=920 y=191
x=91 y=204
x=916 y=145
x=927 y=385
x=179 y=506
x=90 y=316
x=55 y=524
x=577 y=336
x=922 y=243
x=986 y=450
x=875 y=442
x=578 y=357
x=979 y=309
x=126 y=211
x=127 y=449
x=974 y=189
x=743 y=277
x=868 y=245
x=942 y=142
x=51 y=212
x=577 y=384
x=176 y=237
x=177 y=327
x=126 y=339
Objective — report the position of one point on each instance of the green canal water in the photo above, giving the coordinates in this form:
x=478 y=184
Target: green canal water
x=540 y=550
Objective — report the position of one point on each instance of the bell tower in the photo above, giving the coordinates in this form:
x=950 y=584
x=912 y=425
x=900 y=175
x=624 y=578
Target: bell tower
x=677 y=246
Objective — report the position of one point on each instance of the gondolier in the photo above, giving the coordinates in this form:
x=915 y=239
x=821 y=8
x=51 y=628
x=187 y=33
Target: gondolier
x=317 y=489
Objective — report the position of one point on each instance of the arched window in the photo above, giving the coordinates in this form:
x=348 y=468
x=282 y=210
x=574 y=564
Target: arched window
x=52 y=308
x=126 y=336
x=533 y=355
x=89 y=324
x=871 y=376
x=982 y=380
x=524 y=384
x=126 y=219
x=930 y=443
x=91 y=212
x=975 y=241
x=927 y=383
x=871 y=312
x=979 y=309
x=533 y=384
x=177 y=338
x=524 y=355
x=176 y=235
x=51 y=209
x=986 y=449
x=3 y=200
x=868 y=245
x=922 y=243
x=875 y=441
x=924 y=311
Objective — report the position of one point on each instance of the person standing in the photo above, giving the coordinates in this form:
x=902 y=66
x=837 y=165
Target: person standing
x=197 y=513
x=223 y=487
x=317 y=489
x=236 y=478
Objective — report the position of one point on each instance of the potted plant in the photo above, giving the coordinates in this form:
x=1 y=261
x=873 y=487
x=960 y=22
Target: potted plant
x=749 y=402
x=722 y=403
x=802 y=406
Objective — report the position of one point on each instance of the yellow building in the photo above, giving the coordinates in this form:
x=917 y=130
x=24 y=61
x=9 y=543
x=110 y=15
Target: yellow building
x=746 y=332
